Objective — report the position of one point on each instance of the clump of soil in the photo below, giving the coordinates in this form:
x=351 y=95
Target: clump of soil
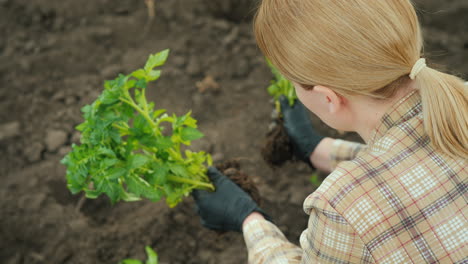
x=277 y=148
x=231 y=168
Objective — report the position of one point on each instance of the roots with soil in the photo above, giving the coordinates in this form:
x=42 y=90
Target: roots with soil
x=231 y=169
x=277 y=148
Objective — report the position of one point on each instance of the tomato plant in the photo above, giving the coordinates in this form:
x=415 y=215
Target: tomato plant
x=125 y=151
x=281 y=86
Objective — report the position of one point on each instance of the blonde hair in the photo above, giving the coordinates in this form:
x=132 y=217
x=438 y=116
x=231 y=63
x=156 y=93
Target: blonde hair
x=363 y=47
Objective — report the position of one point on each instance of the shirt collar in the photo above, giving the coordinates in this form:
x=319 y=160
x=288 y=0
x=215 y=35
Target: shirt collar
x=405 y=109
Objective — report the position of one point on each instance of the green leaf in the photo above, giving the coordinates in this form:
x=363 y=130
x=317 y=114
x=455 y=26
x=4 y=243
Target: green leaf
x=115 y=136
x=141 y=83
x=179 y=170
x=159 y=112
x=190 y=134
x=163 y=143
x=315 y=180
x=141 y=123
x=140 y=187
x=273 y=90
x=153 y=75
x=86 y=109
x=140 y=98
x=281 y=86
x=139 y=74
x=116 y=173
x=156 y=60
x=130 y=197
x=130 y=84
x=92 y=194
x=137 y=161
x=152 y=256
x=112 y=190
x=159 y=175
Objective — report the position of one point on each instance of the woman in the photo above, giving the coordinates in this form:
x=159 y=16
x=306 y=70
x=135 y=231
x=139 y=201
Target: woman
x=401 y=198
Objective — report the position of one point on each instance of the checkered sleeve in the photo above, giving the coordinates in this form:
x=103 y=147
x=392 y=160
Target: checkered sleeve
x=267 y=244
x=329 y=238
x=343 y=150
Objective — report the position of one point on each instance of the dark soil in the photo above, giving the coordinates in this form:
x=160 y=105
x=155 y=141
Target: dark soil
x=277 y=148
x=54 y=57
x=232 y=169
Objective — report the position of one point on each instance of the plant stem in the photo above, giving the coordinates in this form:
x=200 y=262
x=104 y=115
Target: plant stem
x=189 y=181
x=120 y=127
x=143 y=96
x=143 y=113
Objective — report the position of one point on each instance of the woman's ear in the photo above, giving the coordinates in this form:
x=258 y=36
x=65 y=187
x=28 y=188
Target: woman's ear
x=334 y=101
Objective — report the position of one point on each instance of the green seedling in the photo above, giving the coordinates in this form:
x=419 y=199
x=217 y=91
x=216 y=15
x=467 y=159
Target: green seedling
x=125 y=151
x=281 y=86
x=315 y=179
x=152 y=258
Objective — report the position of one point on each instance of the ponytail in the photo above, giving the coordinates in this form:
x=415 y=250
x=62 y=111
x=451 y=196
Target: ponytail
x=445 y=109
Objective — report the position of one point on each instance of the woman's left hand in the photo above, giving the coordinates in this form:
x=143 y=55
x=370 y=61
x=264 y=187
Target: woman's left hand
x=226 y=208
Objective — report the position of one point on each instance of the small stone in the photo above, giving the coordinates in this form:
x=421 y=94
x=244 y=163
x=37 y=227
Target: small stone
x=122 y=10
x=100 y=33
x=59 y=23
x=9 y=130
x=84 y=21
x=231 y=36
x=180 y=218
x=272 y=126
x=205 y=254
x=297 y=197
x=178 y=61
x=64 y=150
x=111 y=71
x=78 y=223
x=221 y=24
x=76 y=137
x=59 y=95
x=54 y=139
x=29 y=46
x=208 y=84
x=22 y=36
x=33 y=151
x=193 y=67
x=38 y=200
x=242 y=68
x=50 y=42
x=70 y=100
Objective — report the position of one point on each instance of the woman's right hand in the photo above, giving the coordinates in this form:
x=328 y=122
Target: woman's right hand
x=300 y=130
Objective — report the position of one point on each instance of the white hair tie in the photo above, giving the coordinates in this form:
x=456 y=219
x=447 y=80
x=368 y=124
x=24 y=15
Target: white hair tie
x=418 y=66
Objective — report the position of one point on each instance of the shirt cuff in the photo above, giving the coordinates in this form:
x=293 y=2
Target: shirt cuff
x=259 y=229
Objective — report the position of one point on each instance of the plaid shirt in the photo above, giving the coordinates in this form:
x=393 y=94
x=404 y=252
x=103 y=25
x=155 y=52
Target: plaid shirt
x=395 y=201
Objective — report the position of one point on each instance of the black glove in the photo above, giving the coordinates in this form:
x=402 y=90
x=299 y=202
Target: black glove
x=300 y=130
x=227 y=207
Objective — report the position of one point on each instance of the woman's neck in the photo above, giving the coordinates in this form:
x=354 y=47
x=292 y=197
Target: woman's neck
x=368 y=112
